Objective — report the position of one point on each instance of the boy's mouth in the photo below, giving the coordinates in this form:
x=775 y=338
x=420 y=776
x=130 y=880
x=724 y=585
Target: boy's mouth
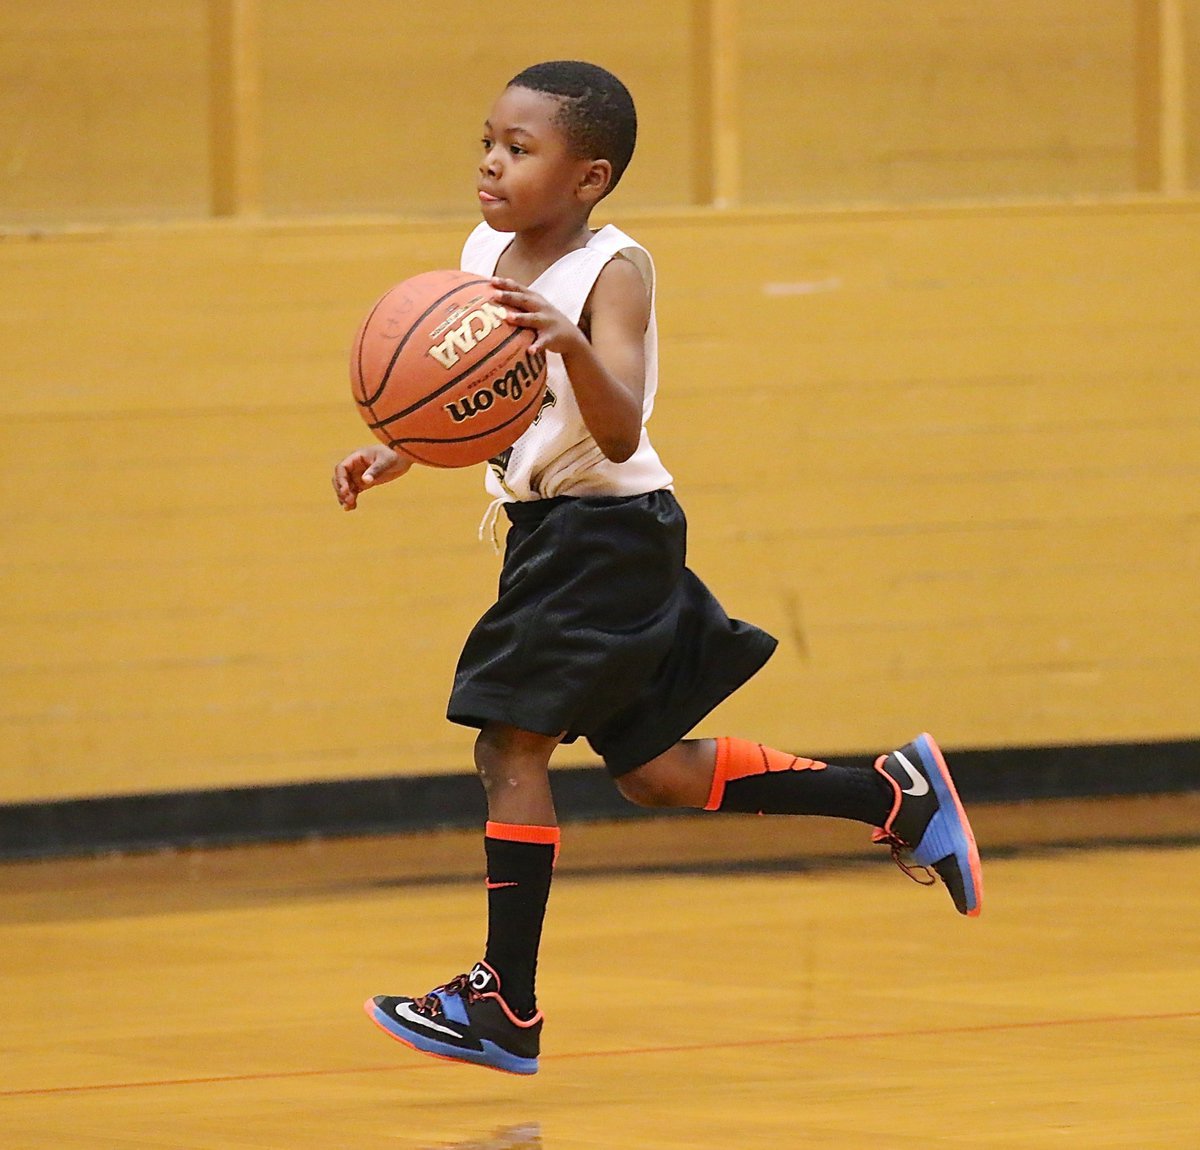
x=487 y=197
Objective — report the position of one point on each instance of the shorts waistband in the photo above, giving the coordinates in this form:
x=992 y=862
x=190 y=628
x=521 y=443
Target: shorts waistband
x=527 y=511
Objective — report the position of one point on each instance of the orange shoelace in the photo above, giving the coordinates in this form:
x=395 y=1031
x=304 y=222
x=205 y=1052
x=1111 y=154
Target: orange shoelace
x=430 y=1004
x=921 y=875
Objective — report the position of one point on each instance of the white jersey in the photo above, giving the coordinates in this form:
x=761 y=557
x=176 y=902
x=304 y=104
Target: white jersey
x=557 y=455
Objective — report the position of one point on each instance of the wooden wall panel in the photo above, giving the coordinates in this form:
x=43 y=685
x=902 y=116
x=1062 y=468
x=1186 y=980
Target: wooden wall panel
x=862 y=100
x=373 y=106
x=379 y=107
x=366 y=107
x=1191 y=66
x=103 y=110
x=950 y=457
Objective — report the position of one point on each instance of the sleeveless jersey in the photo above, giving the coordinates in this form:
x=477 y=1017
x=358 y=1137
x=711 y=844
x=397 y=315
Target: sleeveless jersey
x=557 y=454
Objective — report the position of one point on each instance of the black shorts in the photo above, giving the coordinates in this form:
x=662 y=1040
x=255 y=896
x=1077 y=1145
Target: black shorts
x=600 y=630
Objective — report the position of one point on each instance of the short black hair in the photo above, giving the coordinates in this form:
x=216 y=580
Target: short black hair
x=597 y=113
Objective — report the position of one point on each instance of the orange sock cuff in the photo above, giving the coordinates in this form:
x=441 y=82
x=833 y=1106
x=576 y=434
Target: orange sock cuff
x=520 y=833
x=740 y=758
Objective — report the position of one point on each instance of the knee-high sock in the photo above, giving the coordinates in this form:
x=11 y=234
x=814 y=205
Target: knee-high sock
x=520 y=863
x=751 y=778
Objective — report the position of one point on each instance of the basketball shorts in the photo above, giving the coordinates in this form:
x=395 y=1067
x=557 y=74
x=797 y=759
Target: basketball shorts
x=601 y=631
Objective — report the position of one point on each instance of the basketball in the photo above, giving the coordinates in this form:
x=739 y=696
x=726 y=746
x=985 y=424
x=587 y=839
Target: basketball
x=439 y=373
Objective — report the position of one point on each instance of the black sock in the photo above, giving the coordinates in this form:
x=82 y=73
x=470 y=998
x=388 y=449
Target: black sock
x=754 y=779
x=840 y=792
x=520 y=864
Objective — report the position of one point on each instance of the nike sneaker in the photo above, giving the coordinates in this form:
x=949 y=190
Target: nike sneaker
x=928 y=828
x=465 y=1021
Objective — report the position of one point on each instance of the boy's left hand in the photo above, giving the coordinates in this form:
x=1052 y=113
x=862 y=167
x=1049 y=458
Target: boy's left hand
x=552 y=330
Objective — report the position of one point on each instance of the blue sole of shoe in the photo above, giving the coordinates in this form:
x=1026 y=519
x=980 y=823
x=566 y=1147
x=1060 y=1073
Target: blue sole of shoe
x=491 y=1056
x=949 y=832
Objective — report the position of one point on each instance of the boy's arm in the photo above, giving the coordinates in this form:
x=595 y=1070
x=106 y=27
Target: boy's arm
x=367 y=467
x=608 y=373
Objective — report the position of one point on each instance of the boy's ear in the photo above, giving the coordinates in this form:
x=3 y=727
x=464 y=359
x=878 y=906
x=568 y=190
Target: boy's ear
x=596 y=180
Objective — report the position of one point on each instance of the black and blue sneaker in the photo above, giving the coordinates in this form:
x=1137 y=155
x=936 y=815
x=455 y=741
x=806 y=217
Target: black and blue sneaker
x=465 y=1021
x=927 y=827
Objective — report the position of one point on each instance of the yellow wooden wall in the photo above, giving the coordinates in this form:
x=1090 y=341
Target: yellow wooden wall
x=938 y=98
x=107 y=110
x=950 y=456
x=103 y=111
x=945 y=446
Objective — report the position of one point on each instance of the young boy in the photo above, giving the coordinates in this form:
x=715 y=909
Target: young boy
x=599 y=628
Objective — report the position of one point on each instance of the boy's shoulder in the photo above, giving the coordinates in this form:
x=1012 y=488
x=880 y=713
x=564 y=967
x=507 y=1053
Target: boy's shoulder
x=611 y=241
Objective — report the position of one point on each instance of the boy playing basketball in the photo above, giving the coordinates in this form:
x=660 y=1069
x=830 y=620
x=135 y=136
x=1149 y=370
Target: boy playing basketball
x=599 y=629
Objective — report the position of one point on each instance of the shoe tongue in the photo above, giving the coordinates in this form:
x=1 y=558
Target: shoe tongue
x=483 y=979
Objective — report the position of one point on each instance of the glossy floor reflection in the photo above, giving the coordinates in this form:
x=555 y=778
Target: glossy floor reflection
x=525 y=1136
x=214 y=1001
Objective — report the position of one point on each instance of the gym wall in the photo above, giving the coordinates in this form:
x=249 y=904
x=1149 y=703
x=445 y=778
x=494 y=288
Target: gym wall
x=927 y=288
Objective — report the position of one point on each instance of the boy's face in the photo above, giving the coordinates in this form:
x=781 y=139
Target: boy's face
x=528 y=176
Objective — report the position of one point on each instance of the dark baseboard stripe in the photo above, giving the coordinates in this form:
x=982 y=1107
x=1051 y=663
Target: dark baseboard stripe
x=407 y=804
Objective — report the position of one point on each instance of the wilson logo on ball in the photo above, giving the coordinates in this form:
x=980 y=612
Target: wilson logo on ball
x=477 y=325
x=510 y=386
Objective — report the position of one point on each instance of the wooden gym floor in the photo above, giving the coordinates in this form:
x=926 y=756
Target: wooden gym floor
x=811 y=999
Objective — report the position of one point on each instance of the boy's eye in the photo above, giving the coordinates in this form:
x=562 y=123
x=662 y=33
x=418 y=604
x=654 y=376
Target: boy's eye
x=516 y=149
x=487 y=144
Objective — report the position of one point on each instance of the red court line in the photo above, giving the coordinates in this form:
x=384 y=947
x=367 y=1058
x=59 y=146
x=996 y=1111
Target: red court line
x=630 y=1052
x=886 y=1035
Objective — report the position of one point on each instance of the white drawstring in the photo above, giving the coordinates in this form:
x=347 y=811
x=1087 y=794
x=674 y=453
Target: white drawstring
x=487 y=525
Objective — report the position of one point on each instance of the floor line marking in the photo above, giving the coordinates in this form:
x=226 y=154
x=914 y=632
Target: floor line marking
x=630 y=1052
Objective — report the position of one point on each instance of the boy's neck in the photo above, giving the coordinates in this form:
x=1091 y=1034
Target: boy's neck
x=536 y=249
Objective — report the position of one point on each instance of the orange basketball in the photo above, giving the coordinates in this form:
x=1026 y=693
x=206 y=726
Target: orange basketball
x=440 y=374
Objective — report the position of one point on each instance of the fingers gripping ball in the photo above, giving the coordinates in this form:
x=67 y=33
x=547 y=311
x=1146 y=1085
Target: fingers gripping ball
x=440 y=374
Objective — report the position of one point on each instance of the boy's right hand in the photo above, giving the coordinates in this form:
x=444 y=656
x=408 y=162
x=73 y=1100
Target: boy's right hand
x=367 y=467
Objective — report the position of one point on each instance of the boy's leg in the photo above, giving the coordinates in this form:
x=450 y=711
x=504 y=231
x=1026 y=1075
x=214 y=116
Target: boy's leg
x=521 y=844
x=489 y=1016
x=740 y=776
x=909 y=796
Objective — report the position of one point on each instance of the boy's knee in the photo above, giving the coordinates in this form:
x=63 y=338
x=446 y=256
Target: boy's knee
x=494 y=758
x=505 y=755
x=680 y=777
x=647 y=787
x=490 y=749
